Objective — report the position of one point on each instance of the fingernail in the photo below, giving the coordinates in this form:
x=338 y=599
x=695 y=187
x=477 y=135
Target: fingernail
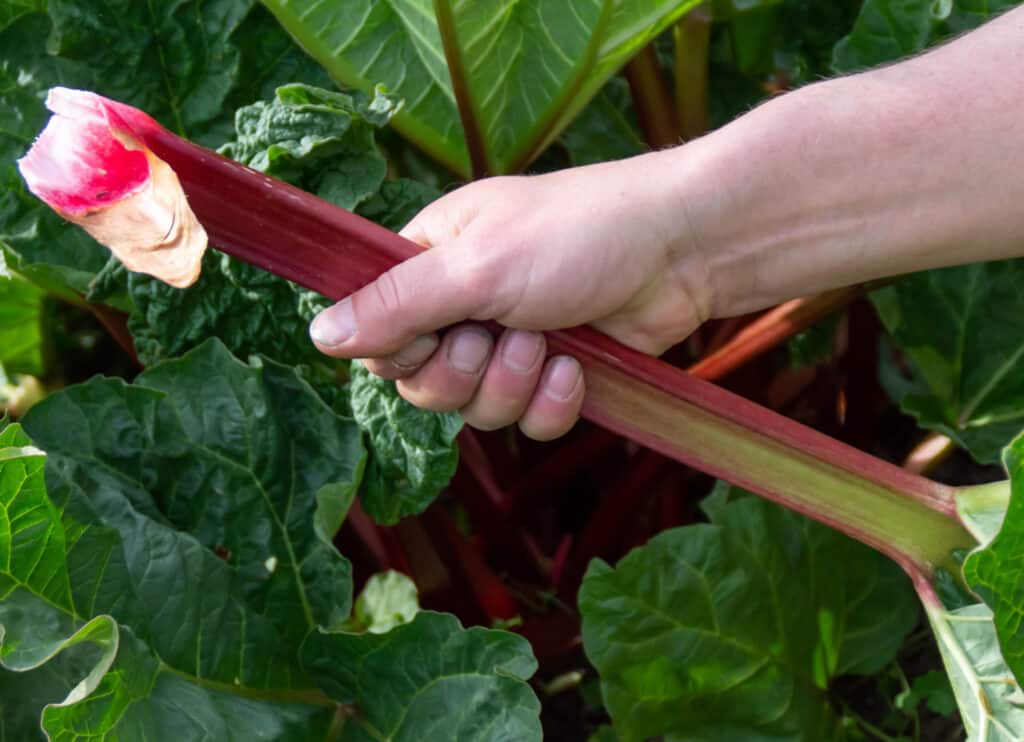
x=561 y=378
x=520 y=350
x=416 y=352
x=334 y=325
x=468 y=350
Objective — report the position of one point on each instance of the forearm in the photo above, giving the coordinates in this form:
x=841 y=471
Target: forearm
x=914 y=166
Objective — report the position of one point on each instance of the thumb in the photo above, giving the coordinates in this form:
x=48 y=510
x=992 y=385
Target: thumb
x=432 y=290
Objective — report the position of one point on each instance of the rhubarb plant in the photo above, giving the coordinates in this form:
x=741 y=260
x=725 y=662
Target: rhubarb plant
x=171 y=550
x=487 y=87
x=179 y=552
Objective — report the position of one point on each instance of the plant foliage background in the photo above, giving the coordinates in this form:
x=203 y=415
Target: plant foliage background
x=182 y=535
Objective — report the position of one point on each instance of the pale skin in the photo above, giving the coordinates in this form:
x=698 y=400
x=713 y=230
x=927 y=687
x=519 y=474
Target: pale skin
x=913 y=166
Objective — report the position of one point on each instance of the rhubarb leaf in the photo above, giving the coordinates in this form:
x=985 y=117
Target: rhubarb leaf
x=319 y=140
x=249 y=310
x=163 y=563
x=986 y=692
x=36 y=242
x=606 y=129
x=994 y=571
x=397 y=202
x=186 y=531
x=443 y=681
x=888 y=30
x=735 y=629
x=524 y=70
x=189 y=63
x=20 y=332
x=885 y=30
x=414 y=453
x=962 y=329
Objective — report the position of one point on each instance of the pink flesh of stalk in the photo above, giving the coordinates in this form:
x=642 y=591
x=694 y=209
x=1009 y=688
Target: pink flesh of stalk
x=89 y=168
x=320 y=246
x=76 y=165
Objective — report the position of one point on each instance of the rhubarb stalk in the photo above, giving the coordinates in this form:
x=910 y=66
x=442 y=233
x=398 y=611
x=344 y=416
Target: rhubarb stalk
x=325 y=248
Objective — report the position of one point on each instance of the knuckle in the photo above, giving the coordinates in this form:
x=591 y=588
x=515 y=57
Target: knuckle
x=388 y=293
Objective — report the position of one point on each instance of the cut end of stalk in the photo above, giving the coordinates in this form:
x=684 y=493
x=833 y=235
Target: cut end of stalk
x=90 y=166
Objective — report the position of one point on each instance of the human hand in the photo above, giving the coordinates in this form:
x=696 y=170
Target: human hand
x=605 y=245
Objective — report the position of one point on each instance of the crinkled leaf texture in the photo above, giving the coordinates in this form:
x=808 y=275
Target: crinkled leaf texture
x=319 y=140
x=189 y=514
x=316 y=139
x=159 y=581
x=305 y=135
x=188 y=63
x=443 y=682
x=734 y=629
x=527 y=68
x=962 y=329
x=414 y=453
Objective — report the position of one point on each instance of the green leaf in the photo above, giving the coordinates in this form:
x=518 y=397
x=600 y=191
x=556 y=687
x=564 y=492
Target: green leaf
x=20 y=331
x=397 y=202
x=994 y=571
x=414 y=453
x=443 y=681
x=606 y=129
x=815 y=344
x=963 y=331
x=884 y=31
x=888 y=30
x=735 y=629
x=189 y=63
x=319 y=140
x=387 y=601
x=12 y=10
x=189 y=517
x=935 y=690
x=36 y=242
x=524 y=70
x=249 y=310
x=96 y=676
x=988 y=695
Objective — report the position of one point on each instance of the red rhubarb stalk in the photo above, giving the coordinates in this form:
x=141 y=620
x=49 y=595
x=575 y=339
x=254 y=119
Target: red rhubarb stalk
x=325 y=248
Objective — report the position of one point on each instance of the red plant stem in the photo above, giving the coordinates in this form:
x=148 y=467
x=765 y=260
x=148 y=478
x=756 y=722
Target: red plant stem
x=475 y=460
x=652 y=100
x=492 y=596
x=380 y=542
x=475 y=142
x=116 y=323
x=557 y=470
x=327 y=249
x=604 y=531
x=692 y=40
x=770 y=329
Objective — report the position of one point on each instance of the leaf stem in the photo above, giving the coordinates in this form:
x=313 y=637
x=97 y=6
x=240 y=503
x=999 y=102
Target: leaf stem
x=475 y=142
x=692 y=36
x=771 y=329
x=652 y=100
